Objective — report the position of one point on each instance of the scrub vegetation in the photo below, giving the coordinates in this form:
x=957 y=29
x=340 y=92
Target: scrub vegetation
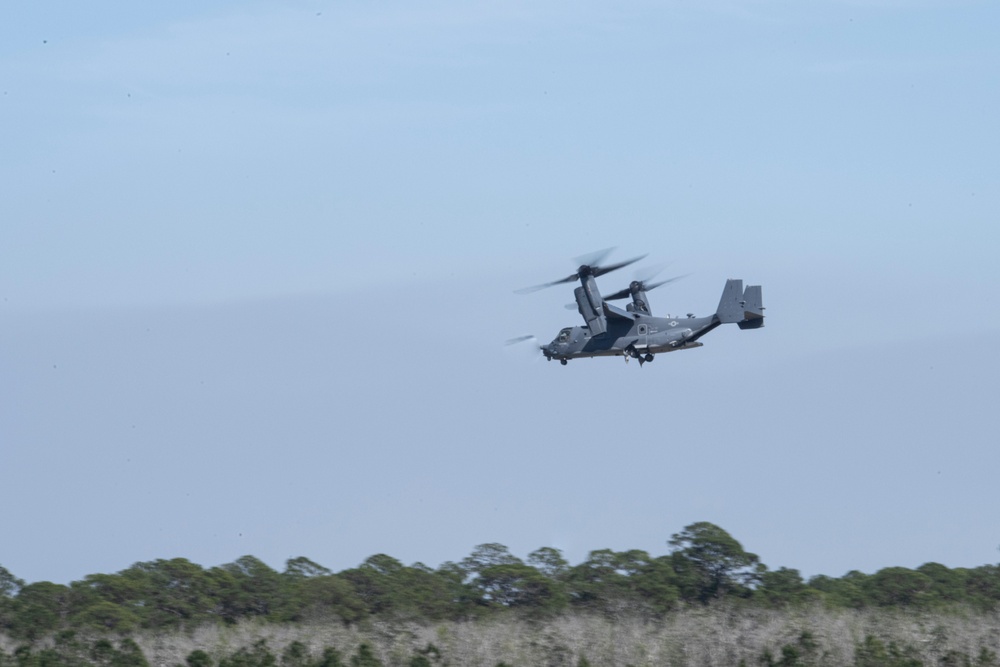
x=706 y=602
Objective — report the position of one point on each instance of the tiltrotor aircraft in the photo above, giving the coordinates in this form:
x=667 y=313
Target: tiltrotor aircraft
x=635 y=332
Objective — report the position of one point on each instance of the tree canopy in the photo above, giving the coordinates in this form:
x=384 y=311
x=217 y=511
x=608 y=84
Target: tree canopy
x=704 y=565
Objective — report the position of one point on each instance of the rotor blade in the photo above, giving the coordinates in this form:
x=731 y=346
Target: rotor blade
x=519 y=339
x=627 y=292
x=514 y=349
x=535 y=288
x=593 y=258
x=591 y=263
x=666 y=282
x=601 y=270
x=621 y=294
x=646 y=273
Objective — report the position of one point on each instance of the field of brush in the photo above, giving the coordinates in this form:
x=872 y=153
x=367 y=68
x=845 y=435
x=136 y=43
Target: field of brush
x=718 y=635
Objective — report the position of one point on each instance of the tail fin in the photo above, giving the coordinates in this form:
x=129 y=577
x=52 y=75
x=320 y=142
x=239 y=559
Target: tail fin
x=731 y=304
x=753 y=308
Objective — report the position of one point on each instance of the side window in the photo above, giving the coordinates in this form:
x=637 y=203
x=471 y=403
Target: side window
x=564 y=336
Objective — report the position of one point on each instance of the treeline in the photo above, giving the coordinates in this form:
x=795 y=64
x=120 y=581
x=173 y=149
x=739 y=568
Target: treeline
x=705 y=565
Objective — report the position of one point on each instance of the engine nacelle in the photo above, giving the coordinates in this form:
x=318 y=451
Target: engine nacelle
x=588 y=302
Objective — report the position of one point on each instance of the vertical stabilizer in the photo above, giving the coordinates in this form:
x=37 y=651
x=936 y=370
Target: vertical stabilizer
x=731 y=304
x=753 y=308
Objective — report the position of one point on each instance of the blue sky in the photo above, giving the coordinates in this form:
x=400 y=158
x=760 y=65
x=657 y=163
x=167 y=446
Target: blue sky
x=259 y=262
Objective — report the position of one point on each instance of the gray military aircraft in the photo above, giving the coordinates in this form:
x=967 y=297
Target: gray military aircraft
x=633 y=332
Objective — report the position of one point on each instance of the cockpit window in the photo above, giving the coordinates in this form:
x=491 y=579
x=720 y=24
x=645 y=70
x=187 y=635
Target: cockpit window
x=564 y=336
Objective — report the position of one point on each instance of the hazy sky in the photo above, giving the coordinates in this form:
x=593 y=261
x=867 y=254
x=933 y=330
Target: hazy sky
x=258 y=261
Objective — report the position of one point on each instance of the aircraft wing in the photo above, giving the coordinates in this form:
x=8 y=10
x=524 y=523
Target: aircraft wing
x=617 y=313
